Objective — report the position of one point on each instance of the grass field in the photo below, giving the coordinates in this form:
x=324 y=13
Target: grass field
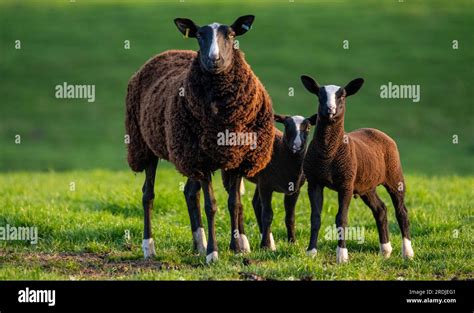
x=63 y=141
x=82 y=232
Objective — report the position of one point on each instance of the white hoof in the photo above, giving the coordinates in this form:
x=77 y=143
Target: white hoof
x=199 y=237
x=386 y=249
x=148 y=246
x=212 y=257
x=272 y=242
x=342 y=256
x=312 y=253
x=244 y=243
x=407 y=250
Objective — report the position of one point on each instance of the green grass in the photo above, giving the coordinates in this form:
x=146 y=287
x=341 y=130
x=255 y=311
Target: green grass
x=82 y=42
x=82 y=232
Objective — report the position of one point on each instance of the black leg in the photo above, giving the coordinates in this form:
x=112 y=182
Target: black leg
x=344 y=199
x=267 y=218
x=192 y=195
x=379 y=210
x=290 y=204
x=211 y=209
x=148 y=189
x=257 y=207
x=401 y=213
x=234 y=210
x=315 y=193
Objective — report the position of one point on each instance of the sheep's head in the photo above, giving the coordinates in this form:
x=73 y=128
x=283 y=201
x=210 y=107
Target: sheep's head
x=216 y=41
x=296 y=130
x=332 y=98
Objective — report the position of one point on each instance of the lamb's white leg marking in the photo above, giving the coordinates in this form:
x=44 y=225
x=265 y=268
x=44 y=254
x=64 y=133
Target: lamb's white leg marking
x=212 y=257
x=312 y=253
x=407 y=250
x=386 y=249
x=272 y=242
x=242 y=186
x=244 y=243
x=342 y=256
x=148 y=246
x=199 y=237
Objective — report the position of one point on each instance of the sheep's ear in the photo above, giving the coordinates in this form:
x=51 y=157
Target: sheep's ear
x=310 y=84
x=279 y=118
x=354 y=86
x=186 y=27
x=242 y=24
x=312 y=119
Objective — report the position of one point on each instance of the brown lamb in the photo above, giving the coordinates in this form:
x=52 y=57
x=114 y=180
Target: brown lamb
x=352 y=163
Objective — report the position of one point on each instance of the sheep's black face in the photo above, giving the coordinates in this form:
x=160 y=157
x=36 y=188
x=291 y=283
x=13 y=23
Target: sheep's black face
x=332 y=98
x=216 y=41
x=296 y=131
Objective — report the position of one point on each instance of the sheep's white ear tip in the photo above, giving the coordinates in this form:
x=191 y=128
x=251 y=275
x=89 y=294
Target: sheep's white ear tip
x=199 y=237
x=407 y=250
x=386 y=249
x=212 y=257
x=244 y=243
x=148 y=247
x=342 y=255
x=312 y=253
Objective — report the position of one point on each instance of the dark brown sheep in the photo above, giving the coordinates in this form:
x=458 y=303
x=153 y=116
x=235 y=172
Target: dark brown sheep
x=352 y=164
x=284 y=174
x=179 y=103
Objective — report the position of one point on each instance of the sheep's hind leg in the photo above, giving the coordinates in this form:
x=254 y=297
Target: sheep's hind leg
x=148 y=189
x=192 y=194
x=267 y=218
x=234 y=210
x=379 y=210
x=344 y=199
x=290 y=204
x=315 y=193
x=211 y=209
x=401 y=212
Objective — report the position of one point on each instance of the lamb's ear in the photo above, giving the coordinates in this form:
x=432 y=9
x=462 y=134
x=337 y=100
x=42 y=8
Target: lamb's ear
x=242 y=24
x=312 y=119
x=186 y=27
x=310 y=84
x=353 y=86
x=279 y=118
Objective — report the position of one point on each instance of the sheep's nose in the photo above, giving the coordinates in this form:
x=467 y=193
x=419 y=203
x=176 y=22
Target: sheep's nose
x=214 y=57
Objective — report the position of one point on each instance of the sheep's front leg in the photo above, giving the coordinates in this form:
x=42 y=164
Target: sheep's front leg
x=148 y=189
x=192 y=194
x=211 y=209
x=315 y=193
x=267 y=218
x=238 y=241
x=344 y=198
x=290 y=204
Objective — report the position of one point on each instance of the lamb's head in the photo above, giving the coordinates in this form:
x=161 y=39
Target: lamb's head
x=216 y=41
x=332 y=98
x=296 y=130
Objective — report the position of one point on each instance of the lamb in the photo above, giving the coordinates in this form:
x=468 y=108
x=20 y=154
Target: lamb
x=283 y=174
x=352 y=164
x=177 y=105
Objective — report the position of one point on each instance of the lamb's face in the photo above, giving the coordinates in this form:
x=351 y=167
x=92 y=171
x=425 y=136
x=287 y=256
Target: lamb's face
x=332 y=98
x=296 y=131
x=216 y=41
